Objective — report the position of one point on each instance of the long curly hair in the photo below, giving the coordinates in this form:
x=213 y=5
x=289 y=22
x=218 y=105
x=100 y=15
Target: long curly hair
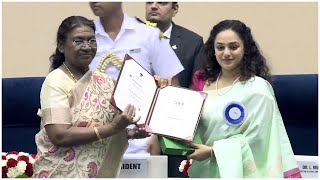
x=65 y=27
x=253 y=62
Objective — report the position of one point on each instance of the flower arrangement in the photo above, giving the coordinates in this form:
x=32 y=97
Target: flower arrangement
x=184 y=166
x=17 y=164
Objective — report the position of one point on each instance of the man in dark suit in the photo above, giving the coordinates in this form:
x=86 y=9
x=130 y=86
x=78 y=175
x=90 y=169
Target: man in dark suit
x=186 y=44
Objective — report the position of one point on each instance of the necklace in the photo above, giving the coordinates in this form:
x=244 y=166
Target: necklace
x=228 y=89
x=70 y=72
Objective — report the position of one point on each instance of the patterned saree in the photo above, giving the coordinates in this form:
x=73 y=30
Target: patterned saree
x=89 y=106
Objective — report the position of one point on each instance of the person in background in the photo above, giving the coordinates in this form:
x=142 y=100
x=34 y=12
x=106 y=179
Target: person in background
x=186 y=44
x=242 y=129
x=80 y=130
x=118 y=33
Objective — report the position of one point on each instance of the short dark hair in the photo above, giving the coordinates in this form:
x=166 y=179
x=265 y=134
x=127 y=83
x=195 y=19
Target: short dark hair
x=253 y=62
x=65 y=27
x=174 y=3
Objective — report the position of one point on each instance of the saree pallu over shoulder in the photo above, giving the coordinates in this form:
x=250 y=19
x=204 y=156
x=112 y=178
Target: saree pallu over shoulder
x=89 y=106
x=257 y=148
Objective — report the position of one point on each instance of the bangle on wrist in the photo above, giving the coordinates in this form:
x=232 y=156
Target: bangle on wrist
x=97 y=133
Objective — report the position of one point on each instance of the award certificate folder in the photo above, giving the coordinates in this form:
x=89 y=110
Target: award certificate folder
x=170 y=111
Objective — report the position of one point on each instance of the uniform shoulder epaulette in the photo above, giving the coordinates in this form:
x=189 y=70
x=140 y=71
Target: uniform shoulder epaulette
x=147 y=22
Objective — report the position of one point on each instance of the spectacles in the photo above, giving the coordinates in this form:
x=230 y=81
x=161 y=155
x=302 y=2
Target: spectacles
x=82 y=43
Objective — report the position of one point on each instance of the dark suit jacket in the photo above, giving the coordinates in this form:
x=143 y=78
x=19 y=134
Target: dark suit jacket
x=188 y=47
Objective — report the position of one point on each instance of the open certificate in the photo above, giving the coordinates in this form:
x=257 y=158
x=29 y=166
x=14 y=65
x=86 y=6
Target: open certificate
x=171 y=111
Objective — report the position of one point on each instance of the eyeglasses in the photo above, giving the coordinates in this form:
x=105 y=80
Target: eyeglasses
x=82 y=43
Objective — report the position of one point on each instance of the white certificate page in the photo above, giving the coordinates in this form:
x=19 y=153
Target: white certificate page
x=137 y=87
x=176 y=112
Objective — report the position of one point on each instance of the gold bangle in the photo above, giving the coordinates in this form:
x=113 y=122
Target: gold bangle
x=97 y=133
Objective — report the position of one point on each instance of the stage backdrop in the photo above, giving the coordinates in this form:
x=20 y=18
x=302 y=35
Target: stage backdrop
x=286 y=32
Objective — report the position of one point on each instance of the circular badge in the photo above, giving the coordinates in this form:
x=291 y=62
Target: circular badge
x=235 y=113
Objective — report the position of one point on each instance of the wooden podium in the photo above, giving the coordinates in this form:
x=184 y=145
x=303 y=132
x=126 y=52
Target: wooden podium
x=144 y=166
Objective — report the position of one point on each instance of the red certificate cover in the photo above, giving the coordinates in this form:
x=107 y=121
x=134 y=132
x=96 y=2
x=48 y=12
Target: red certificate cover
x=170 y=111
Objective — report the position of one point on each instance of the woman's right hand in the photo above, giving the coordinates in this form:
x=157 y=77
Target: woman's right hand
x=163 y=82
x=127 y=117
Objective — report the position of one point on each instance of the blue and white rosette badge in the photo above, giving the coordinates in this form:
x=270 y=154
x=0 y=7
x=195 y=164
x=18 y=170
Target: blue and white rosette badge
x=235 y=113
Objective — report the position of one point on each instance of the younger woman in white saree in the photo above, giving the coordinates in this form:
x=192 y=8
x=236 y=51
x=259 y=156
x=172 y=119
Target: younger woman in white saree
x=241 y=126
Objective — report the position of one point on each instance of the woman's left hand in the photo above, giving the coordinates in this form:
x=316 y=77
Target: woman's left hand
x=137 y=133
x=201 y=152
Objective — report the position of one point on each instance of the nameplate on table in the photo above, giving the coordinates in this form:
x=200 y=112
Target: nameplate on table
x=308 y=165
x=134 y=168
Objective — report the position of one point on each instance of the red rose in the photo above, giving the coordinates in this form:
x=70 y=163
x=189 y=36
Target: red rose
x=13 y=152
x=12 y=163
x=186 y=167
x=4 y=157
x=34 y=156
x=23 y=158
x=4 y=172
x=29 y=170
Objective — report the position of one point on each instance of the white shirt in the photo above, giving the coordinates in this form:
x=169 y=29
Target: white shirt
x=142 y=43
x=167 y=34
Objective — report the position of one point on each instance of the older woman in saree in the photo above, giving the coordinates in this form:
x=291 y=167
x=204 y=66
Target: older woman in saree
x=81 y=133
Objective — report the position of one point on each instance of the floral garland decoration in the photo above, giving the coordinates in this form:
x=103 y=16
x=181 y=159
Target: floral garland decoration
x=109 y=58
x=17 y=164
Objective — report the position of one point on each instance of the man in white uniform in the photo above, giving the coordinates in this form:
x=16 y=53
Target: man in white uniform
x=119 y=33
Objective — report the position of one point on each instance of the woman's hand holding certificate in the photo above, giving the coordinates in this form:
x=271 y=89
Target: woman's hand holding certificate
x=127 y=117
x=163 y=82
x=137 y=133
